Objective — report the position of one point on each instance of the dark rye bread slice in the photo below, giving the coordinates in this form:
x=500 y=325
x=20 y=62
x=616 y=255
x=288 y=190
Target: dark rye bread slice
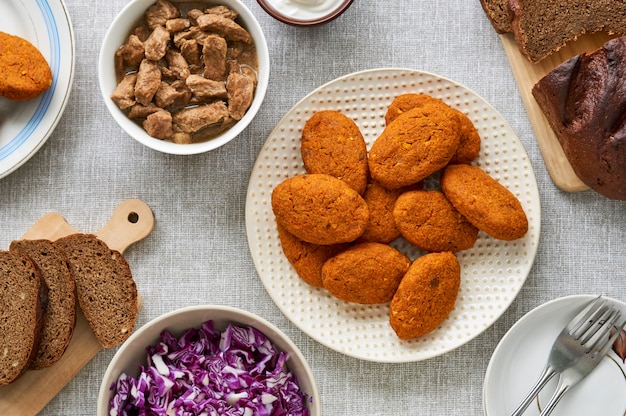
x=584 y=100
x=105 y=288
x=23 y=301
x=60 y=314
x=499 y=14
x=543 y=27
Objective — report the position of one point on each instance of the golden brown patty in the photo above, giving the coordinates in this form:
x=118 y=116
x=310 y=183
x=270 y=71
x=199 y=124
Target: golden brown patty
x=469 y=144
x=406 y=102
x=484 y=202
x=428 y=220
x=333 y=144
x=416 y=144
x=307 y=259
x=426 y=295
x=320 y=209
x=25 y=74
x=380 y=201
x=367 y=273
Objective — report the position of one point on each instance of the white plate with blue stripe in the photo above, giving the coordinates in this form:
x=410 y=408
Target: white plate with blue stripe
x=25 y=126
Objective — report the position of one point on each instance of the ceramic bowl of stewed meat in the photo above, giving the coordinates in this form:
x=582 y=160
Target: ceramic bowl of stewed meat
x=184 y=77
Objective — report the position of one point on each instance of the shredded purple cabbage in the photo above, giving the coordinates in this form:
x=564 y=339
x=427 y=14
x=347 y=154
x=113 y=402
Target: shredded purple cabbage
x=205 y=372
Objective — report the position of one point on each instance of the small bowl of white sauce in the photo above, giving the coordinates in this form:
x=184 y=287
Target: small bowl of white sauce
x=305 y=12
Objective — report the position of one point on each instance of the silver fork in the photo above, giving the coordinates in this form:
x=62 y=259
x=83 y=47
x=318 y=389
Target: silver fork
x=600 y=343
x=567 y=348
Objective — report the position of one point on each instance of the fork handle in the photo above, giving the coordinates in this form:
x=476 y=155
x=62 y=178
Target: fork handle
x=547 y=373
x=554 y=400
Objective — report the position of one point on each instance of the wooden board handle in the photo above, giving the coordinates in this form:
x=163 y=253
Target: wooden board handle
x=131 y=221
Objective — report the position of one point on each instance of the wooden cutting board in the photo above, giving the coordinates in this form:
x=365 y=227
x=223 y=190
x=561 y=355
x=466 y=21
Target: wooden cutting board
x=526 y=75
x=131 y=221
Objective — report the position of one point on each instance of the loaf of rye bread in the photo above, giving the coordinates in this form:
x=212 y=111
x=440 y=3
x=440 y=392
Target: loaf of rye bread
x=23 y=301
x=584 y=100
x=499 y=14
x=60 y=314
x=105 y=289
x=543 y=27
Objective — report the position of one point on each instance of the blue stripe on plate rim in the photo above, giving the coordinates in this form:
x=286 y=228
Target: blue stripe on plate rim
x=55 y=63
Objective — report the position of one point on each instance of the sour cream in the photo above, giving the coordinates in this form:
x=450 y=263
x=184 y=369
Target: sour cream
x=305 y=9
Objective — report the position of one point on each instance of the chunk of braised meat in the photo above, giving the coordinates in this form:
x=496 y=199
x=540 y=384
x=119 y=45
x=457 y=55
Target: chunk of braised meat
x=240 y=94
x=124 y=94
x=165 y=95
x=177 y=25
x=174 y=95
x=129 y=56
x=190 y=120
x=205 y=89
x=177 y=64
x=193 y=15
x=155 y=46
x=190 y=49
x=237 y=52
x=222 y=11
x=141 y=32
x=159 y=124
x=160 y=13
x=184 y=97
x=148 y=81
x=194 y=33
x=250 y=73
x=142 y=111
x=224 y=27
x=214 y=57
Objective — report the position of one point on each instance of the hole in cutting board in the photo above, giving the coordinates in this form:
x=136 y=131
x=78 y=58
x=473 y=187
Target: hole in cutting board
x=133 y=217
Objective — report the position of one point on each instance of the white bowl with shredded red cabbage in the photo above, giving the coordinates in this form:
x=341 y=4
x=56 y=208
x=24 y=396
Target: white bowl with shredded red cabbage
x=209 y=360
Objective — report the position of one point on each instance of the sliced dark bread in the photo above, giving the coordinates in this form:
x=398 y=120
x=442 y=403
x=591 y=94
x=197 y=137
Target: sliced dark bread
x=105 y=289
x=498 y=13
x=543 y=27
x=60 y=315
x=23 y=301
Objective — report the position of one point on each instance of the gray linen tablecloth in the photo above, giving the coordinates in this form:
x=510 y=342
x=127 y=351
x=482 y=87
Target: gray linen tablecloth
x=198 y=251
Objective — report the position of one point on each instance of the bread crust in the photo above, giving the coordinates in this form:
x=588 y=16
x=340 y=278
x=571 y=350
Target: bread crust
x=499 y=14
x=25 y=72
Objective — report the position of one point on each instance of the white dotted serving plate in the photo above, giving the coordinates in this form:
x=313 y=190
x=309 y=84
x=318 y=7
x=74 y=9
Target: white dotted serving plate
x=492 y=272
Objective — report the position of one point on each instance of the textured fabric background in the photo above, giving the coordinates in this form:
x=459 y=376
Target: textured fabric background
x=198 y=251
